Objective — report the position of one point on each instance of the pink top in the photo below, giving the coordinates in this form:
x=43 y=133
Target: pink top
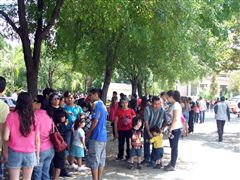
x=17 y=141
x=45 y=126
x=113 y=112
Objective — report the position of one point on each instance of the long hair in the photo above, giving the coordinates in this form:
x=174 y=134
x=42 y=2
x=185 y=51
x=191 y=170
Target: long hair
x=114 y=99
x=25 y=111
x=44 y=105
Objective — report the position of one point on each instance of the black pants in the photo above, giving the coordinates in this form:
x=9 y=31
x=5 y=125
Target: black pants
x=174 y=146
x=220 y=127
x=122 y=137
x=113 y=130
x=191 y=121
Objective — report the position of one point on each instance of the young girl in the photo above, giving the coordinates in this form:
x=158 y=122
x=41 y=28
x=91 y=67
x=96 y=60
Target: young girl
x=78 y=144
x=157 y=152
x=136 y=142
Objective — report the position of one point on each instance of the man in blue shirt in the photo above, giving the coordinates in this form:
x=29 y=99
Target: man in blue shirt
x=98 y=136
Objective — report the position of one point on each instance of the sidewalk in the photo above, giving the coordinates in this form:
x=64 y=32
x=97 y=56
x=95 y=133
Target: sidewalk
x=201 y=156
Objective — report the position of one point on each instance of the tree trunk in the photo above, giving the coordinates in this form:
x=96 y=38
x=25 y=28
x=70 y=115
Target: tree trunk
x=134 y=83
x=107 y=80
x=145 y=88
x=139 y=87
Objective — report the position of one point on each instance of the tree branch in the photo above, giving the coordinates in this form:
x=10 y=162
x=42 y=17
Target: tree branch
x=9 y=21
x=22 y=19
x=55 y=15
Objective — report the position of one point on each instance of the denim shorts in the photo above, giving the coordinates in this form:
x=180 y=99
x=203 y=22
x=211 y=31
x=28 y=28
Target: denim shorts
x=96 y=154
x=136 y=152
x=19 y=159
x=157 y=153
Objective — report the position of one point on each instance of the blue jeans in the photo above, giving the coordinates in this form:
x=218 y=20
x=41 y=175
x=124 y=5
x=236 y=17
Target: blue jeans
x=41 y=172
x=174 y=146
x=202 y=116
x=147 y=153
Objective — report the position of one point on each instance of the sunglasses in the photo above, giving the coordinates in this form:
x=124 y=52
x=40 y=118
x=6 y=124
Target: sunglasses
x=35 y=100
x=56 y=98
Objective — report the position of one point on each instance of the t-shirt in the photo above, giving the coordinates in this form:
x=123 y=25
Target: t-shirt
x=154 y=118
x=45 y=127
x=177 y=107
x=17 y=141
x=202 y=105
x=125 y=117
x=157 y=141
x=136 y=138
x=100 y=114
x=72 y=114
x=4 y=110
x=77 y=135
x=113 y=111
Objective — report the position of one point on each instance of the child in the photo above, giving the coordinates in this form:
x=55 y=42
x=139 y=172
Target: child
x=78 y=144
x=136 y=142
x=59 y=157
x=157 y=152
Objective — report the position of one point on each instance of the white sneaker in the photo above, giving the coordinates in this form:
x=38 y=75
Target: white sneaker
x=73 y=166
x=82 y=168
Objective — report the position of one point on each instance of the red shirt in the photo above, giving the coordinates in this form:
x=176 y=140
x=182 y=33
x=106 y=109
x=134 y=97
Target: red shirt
x=125 y=117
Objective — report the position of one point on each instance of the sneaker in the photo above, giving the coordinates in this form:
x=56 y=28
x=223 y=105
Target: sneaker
x=118 y=159
x=82 y=168
x=139 y=166
x=73 y=166
x=130 y=166
x=157 y=166
x=169 y=168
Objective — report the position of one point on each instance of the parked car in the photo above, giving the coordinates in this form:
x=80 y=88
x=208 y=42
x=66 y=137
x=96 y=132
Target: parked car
x=10 y=102
x=233 y=104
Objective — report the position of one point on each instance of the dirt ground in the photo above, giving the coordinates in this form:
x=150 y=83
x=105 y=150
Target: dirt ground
x=201 y=156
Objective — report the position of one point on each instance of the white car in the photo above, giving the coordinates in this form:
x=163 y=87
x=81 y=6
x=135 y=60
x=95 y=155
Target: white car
x=233 y=104
x=10 y=102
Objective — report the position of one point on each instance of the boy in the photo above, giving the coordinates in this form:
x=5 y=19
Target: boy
x=136 y=142
x=157 y=141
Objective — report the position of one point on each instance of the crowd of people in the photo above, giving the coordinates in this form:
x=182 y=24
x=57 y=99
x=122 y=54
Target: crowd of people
x=137 y=123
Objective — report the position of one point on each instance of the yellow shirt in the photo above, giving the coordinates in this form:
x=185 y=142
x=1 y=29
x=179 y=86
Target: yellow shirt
x=4 y=110
x=157 y=141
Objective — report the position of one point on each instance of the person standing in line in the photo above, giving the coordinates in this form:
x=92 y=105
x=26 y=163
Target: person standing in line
x=222 y=114
x=154 y=115
x=202 y=108
x=174 y=128
x=4 y=111
x=112 y=112
x=123 y=127
x=98 y=136
x=22 y=133
x=44 y=114
x=191 y=115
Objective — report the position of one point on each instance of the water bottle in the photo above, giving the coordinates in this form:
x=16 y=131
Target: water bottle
x=170 y=135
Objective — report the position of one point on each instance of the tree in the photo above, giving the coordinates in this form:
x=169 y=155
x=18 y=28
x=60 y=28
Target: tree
x=234 y=83
x=31 y=21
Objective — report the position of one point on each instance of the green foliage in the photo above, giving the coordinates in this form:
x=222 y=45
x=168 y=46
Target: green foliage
x=234 y=83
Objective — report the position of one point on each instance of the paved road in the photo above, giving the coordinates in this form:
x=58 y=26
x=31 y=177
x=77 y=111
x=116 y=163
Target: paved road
x=201 y=157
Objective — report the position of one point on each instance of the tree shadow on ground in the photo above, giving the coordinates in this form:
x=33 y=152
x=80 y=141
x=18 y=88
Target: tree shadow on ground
x=230 y=141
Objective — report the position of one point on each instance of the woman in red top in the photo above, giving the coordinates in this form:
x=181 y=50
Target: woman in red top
x=123 y=127
x=113 y=111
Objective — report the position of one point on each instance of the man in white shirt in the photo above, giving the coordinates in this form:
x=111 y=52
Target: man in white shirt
x=203 y=108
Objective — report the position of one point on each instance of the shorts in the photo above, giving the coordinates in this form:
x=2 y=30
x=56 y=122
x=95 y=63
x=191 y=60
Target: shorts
x=76 y=151
x=136 y=152
x=96 y=154
x=19 y=159
x=59 y=160
x=157 y=153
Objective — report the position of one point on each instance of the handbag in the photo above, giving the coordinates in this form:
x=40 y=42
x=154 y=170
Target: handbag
x=57 y=140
